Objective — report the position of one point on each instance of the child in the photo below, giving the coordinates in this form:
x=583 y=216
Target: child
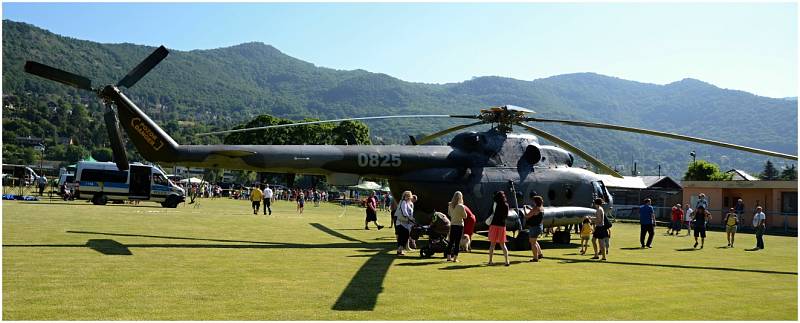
x=586 y=233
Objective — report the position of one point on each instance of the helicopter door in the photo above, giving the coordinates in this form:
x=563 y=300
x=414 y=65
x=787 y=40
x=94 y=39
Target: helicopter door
x=140 y=182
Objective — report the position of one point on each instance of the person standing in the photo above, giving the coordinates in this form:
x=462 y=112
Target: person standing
x=739 y=208
x=677 y=219
x=469 y=228
x=42 y=182
x=372 y=213
x=600 y=229
x=760 y=225
x=647 y=219
x=267 y=200
x=701 y=217
x=497 y=227
x=392 y=214
x=387 y=201
x=255 y=197
x=405 y=219
x=586 y=234
x=687 y=216
x=457 y=214
x=301 y=203
x=533 y=220
x=731 y=222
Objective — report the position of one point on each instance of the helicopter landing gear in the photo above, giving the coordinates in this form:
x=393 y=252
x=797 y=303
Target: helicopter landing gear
x=561 y=237
x=520 y=242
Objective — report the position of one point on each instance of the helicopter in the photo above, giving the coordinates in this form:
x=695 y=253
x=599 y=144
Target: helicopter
x=475 y=163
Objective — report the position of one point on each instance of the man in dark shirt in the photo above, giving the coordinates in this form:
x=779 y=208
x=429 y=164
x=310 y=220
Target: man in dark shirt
x=647 y=219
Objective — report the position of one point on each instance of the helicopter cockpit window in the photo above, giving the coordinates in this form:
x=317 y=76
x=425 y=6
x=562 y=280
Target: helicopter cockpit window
x=599 y=190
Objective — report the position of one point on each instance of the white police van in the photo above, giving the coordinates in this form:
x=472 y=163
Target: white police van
x=103 y=181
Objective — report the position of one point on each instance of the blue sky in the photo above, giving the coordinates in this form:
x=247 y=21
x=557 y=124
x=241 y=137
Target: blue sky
x=749 y=47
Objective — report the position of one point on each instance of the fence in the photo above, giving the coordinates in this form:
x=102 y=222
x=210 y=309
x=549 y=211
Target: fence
x=784 y=222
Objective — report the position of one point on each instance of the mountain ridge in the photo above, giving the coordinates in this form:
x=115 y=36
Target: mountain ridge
x=220 y=88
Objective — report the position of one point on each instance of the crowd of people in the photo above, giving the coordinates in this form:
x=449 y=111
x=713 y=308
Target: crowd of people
x=462 y=219
x=597 y=228
x=697 y=219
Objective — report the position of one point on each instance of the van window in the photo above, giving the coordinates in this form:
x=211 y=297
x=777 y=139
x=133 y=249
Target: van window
x=160 y=180
x=99 y=175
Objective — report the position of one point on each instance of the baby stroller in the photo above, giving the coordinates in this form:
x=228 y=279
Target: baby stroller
x=437 y=233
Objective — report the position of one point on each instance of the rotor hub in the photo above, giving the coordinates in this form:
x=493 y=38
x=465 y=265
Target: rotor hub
x=504 y=116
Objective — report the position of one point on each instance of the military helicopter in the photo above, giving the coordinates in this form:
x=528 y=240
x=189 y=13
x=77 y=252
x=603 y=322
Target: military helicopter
x=475 y=163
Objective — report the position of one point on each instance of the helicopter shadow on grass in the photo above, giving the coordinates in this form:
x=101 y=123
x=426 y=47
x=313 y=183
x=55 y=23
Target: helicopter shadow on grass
x=87 y=204
x=574 y=261
x=361 y=293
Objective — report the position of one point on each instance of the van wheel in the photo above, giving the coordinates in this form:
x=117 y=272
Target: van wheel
x=99 y=199
x=172 y=202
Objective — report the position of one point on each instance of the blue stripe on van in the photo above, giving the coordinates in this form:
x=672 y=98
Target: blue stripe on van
x=105 y=184
x=158 y=187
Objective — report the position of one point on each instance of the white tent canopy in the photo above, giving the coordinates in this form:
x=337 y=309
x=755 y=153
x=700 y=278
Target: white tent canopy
x=192 y=180
x=367 y=185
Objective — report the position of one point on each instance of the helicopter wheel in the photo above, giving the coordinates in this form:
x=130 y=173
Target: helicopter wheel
x=425 y=253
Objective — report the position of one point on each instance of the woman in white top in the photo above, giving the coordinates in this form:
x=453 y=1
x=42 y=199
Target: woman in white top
x=457 y=214
x=405 y=219
x=687 y=216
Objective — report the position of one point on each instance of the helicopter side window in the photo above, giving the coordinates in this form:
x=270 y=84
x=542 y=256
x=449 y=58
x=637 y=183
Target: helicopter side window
x=551 y=195
x=568 y=192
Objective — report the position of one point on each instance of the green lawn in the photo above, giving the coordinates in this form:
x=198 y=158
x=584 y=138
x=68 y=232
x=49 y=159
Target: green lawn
x=77 y=261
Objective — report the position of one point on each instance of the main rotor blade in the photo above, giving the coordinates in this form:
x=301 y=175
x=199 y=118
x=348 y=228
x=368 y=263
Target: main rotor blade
x=325 y=121
x=114 y=135
x=145 y=66
x=428 y=138
x=58 y=75
x=568 y=147
x=667 y=135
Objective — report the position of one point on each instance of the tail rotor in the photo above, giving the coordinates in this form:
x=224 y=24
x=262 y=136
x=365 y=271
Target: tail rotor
x=111 y=116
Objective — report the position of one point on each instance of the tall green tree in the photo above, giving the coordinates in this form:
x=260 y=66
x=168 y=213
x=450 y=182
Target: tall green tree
x=789 y=173
x=704 y=171
x=770 y=173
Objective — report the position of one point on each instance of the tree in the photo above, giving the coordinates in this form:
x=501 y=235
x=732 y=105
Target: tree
x=74 y=153
x=103 y=154
x=352 y=129
x=245 y=177
x=770 y=173
x=789 y=173
x=705 y=171
x=315 y=134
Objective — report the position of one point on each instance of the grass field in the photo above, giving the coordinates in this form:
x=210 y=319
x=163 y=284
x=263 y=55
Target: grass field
x=77 y=261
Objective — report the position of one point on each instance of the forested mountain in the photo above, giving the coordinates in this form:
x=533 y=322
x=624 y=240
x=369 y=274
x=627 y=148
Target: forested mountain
x=203 y=90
